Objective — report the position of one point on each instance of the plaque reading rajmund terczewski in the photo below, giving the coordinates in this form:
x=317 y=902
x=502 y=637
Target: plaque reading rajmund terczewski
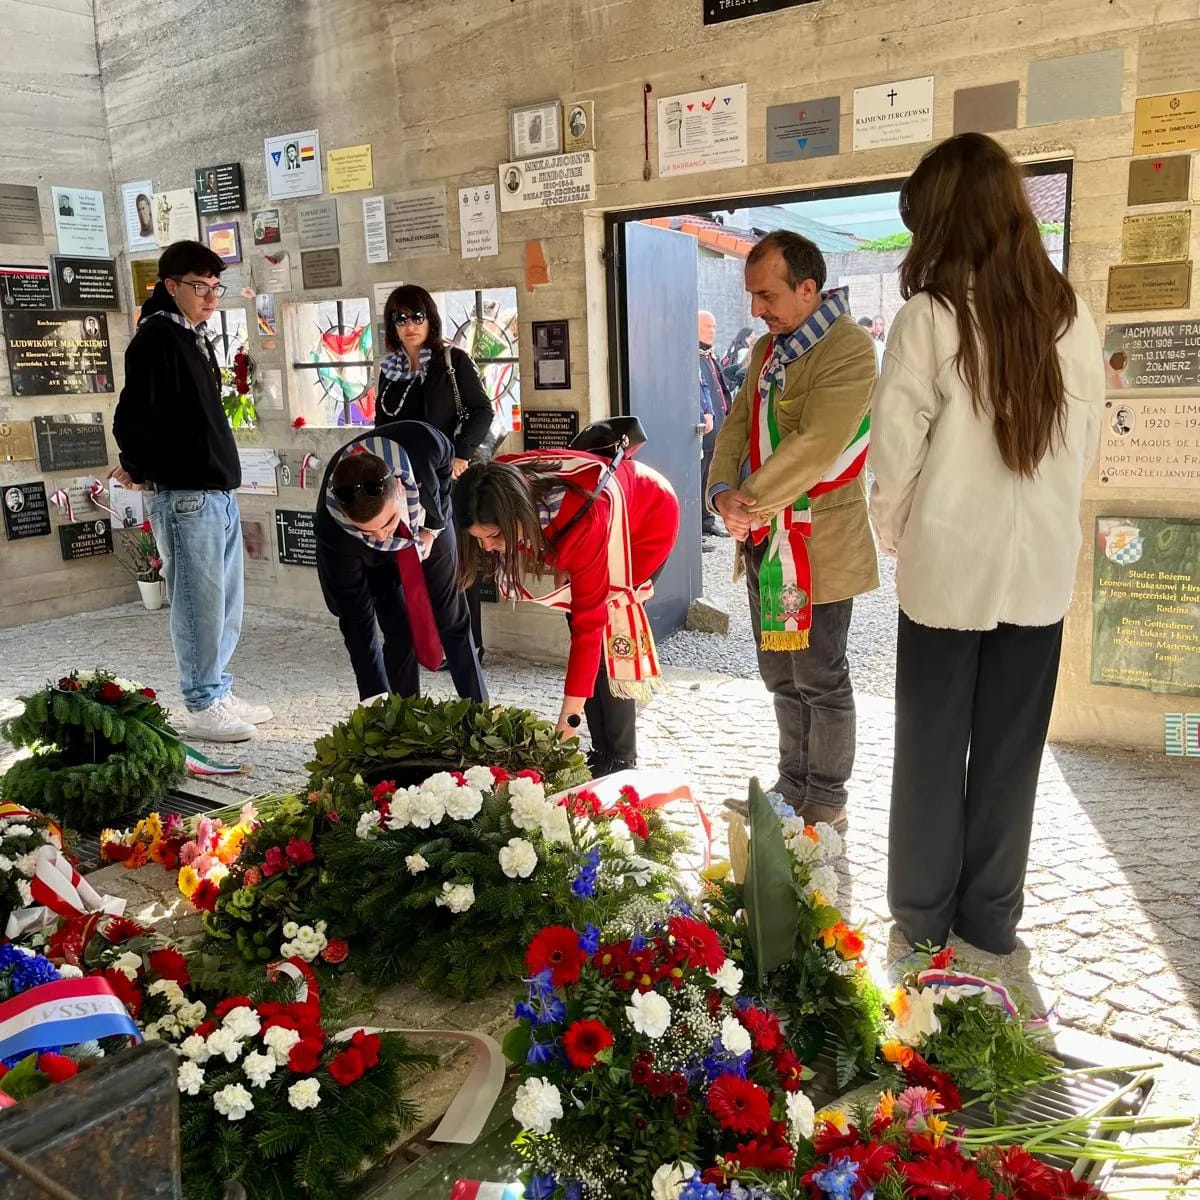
x=85 y=539
x=71 y=440
x=295 y=530
x=56 y=353
x=26 y=513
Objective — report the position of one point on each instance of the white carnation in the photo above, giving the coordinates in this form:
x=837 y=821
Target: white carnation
x=196 y=1048
x=457 y=897
x=800 y=1116
x=243 y=1022
x=556 y=824
x=191 y=1078
x=734 y=1036
x=190 y=1015
x=443 y=781
x=305 y=1094
x=416 y=863
x=481 y=778
x=259 y=1068
x=223 y=1041
x=233 y=1102
x=649 y=1013
x=728 y=977
x=279 y=1041
x=290 y=929
x=368 y=824
x=621 y=841
x=6 y=865
x=669 y=1179
x=538 y=1105
x=518 y=858
x=67 y=971
x=524 y=787
x=400 y=809
x=27 y=864
x=26 y=892
x=129 y=964
x=19 y=831
x=804 y=850
x=527 y=810
x=426 y=809
x=464 y=803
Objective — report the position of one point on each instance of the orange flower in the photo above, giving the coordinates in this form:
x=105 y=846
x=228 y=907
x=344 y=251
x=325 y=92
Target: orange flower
x=164 y=853
x=886 y=1108
x=139 y=857
x=811 y=833
x=850 y=944
x=897 y=1052
x=231 y=845
x=830 y=936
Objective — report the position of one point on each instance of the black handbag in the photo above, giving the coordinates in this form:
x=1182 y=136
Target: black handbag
x=495 y=435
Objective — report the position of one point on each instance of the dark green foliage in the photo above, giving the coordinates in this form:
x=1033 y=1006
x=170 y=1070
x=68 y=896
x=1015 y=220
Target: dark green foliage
x=99 y=751
x=449 y=733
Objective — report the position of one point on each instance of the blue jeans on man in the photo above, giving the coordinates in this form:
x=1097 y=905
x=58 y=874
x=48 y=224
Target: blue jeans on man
x=199 y=538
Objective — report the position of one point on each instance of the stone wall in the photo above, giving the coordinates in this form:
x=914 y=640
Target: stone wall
x=429 y=83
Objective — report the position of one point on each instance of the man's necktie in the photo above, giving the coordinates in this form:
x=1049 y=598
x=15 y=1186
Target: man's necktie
x=426 y=641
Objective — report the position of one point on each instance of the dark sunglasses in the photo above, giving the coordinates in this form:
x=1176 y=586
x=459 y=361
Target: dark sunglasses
x=368 y=487
x=402 y=319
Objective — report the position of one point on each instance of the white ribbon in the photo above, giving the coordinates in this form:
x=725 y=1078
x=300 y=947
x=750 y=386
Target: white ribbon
x=62 y=892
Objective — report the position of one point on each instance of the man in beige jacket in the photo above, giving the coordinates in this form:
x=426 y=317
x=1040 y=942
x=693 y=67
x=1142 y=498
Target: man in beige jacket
x=786 y=478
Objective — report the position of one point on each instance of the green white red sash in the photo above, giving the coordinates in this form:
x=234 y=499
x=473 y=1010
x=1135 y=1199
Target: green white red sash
x=785 y=576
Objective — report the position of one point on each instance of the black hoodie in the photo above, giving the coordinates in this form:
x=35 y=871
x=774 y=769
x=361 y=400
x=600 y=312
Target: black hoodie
x=169 y=423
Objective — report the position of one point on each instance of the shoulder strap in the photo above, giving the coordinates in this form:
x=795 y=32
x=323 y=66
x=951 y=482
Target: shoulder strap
x=593 y=495
x=458 y=404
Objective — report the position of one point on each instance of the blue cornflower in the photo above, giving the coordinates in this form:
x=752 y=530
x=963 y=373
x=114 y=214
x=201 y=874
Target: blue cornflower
x=585 y=882
x=680 y=907
x=541 y=1187
x=541 y=1052
x=636 y=943
x=543 y=1005
x=779 y=806
x=722 y=1062
x=694 y=1189
x=589 y=939
x=838 y=1179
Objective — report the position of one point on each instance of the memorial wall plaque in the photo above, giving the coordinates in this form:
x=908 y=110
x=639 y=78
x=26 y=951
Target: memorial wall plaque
x=1146 y=604
x=1159 y=180
x=551 y=355
x=1149 y=287
x=1150 y=442
x=718 y=11
x=26 y=513
x=70 y=441
x=1156 y=237
x=1162 y=124
x=25 y=287
x=296 y=534
x=220 y=189
x=20 y=215
x=56 y=353
x=321 y=268
x=16 y=441
x=549 y=428
x=85 y=539
x=317 y=223
x=1152 y=354
x=86 y=282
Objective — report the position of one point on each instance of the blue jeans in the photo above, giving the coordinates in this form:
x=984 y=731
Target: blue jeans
x=199 y=537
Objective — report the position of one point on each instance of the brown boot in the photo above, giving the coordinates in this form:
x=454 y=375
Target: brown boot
x=810 y=812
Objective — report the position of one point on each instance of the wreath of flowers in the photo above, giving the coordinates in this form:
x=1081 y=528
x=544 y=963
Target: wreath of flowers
x=22 y=834
x=101 y=746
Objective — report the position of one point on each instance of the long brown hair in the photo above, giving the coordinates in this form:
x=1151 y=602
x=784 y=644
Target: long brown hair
x=976 y=250
x=507 y=496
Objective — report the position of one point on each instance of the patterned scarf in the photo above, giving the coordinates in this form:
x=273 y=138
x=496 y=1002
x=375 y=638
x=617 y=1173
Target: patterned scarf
x=397 y=366
x=412 y=511
x=785 y=577
x=201 y=330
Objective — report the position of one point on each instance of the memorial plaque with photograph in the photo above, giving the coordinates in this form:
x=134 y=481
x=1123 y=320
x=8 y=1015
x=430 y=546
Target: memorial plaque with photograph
x=26 y=513
x=220 y=189
x=69 y=441
x=551 y=355
x=86 y=282
x=85 y=539
x=56 y=353
x=296 y=535
x=25 y=287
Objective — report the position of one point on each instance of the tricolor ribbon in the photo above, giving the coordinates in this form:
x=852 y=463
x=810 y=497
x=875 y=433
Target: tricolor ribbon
x=992 y=991
x=309 y=460
x=94 y=493
x=14 y=812
x=478 y=1189
x=202 y=766
x=59 y=890
x=63 y=1013
x=64 y=502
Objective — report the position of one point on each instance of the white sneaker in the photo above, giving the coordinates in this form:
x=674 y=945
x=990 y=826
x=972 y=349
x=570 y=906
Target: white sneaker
x=243 y=710
x=217 y=724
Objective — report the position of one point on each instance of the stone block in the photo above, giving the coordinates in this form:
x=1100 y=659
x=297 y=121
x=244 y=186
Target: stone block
x=705 y=617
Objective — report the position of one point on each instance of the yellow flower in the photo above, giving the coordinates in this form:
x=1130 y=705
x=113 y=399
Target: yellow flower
x=896 y=1052
x=832 y=1116
x=886 y=1108
x=189 y=881
x=718 y=872
x=899 y=1004
x=937 y=1127
x=150 y=828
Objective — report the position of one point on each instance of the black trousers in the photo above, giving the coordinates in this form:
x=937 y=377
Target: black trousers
x=611 y=720
x=972 y=710
x=708 y=522
x=472 y=595
x=450 y=612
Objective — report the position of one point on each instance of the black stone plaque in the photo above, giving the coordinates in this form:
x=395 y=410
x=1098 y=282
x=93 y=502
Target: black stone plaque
x=86 y=282
x=56 y=353
x=25 y=287
x=551 y=355
x=86 y=539
x=220 y=189
x=296 y=532
x=70 y=441
x=718 y=11
x=549 y=428
x=26 y=513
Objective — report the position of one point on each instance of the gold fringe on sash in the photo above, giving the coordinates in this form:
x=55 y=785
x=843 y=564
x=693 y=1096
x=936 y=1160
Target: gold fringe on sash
x=774 y=639
x=640 y=690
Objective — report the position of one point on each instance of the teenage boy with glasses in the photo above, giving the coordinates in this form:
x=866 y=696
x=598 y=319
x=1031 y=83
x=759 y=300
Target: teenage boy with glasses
x=176 y=444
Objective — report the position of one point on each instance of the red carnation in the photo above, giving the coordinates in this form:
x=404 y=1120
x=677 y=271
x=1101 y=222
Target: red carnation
x=115 y=852
x=942 y=959
x=67 y=684
x=204 y=897
x=299 y=423
x=229 y=1004
x=149 y=693
x=125 y=990
x=499 y=775
x=584 y=1041
x=382 y=792
x=300 y=851
x=306 y=1055
x=530 y=774
x=368 y=1046
x=635 y=820
x=556 y=948
x=119 y=930
x=273 y=862
x=168 y=963
x=111 y=693
x=683 y=1108
x=739 y=1105
x=57 y=1067
x=701 y=946
x=763 y=1028
x=347 y=1067
x=337 y=950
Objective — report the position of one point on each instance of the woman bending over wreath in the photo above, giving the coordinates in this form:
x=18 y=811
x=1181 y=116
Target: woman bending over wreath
x=602 y=535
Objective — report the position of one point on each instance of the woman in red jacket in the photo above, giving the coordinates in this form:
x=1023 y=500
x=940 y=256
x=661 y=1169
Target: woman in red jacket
x=600 y=535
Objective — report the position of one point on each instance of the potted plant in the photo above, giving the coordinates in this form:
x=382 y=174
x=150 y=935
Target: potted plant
x=138 y=554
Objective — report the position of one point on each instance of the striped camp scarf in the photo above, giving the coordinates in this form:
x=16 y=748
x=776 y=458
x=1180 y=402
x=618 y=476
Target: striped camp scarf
x=397 y=366
x=413 y=512
x=785 y=577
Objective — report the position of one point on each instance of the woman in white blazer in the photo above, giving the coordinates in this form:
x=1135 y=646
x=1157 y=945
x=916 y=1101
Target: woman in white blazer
x=984 y=423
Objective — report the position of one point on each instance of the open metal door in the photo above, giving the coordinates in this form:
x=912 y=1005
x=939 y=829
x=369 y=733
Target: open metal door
x=662 y=359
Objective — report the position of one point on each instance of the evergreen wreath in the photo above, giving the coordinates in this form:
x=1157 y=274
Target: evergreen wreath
x=384 y=737
x=101 y=747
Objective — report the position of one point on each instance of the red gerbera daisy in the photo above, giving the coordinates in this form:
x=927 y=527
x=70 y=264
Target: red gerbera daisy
x=829 y=1139
x=119 y=930
x=584 y=1041
x=556 y=948
x=790 y=1070
x=764 y=1155
x=919 y=1073
x=944 y=1178
x=739 y=1104
x=205 y=896
x=763 y=1028
x=700 y=943
x=168 y=963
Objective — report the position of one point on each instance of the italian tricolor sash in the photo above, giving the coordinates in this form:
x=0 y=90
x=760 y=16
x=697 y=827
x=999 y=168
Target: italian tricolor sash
x=785 y=577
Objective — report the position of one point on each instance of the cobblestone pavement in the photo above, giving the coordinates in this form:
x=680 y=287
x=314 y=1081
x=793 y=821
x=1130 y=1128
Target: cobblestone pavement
x=1112 y=919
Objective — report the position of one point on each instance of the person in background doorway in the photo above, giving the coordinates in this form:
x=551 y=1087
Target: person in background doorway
x=733 y=361
x=712 y=384
x=878 y=330
x=869 y=326
x=605 y=534
x=424 y=379
x=986 y=421
x=175 y=443
x=387 y=561
x=787 y=480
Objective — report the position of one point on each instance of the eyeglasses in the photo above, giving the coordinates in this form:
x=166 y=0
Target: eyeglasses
x=368 y=487
x=402 y=319
x=203 y=289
